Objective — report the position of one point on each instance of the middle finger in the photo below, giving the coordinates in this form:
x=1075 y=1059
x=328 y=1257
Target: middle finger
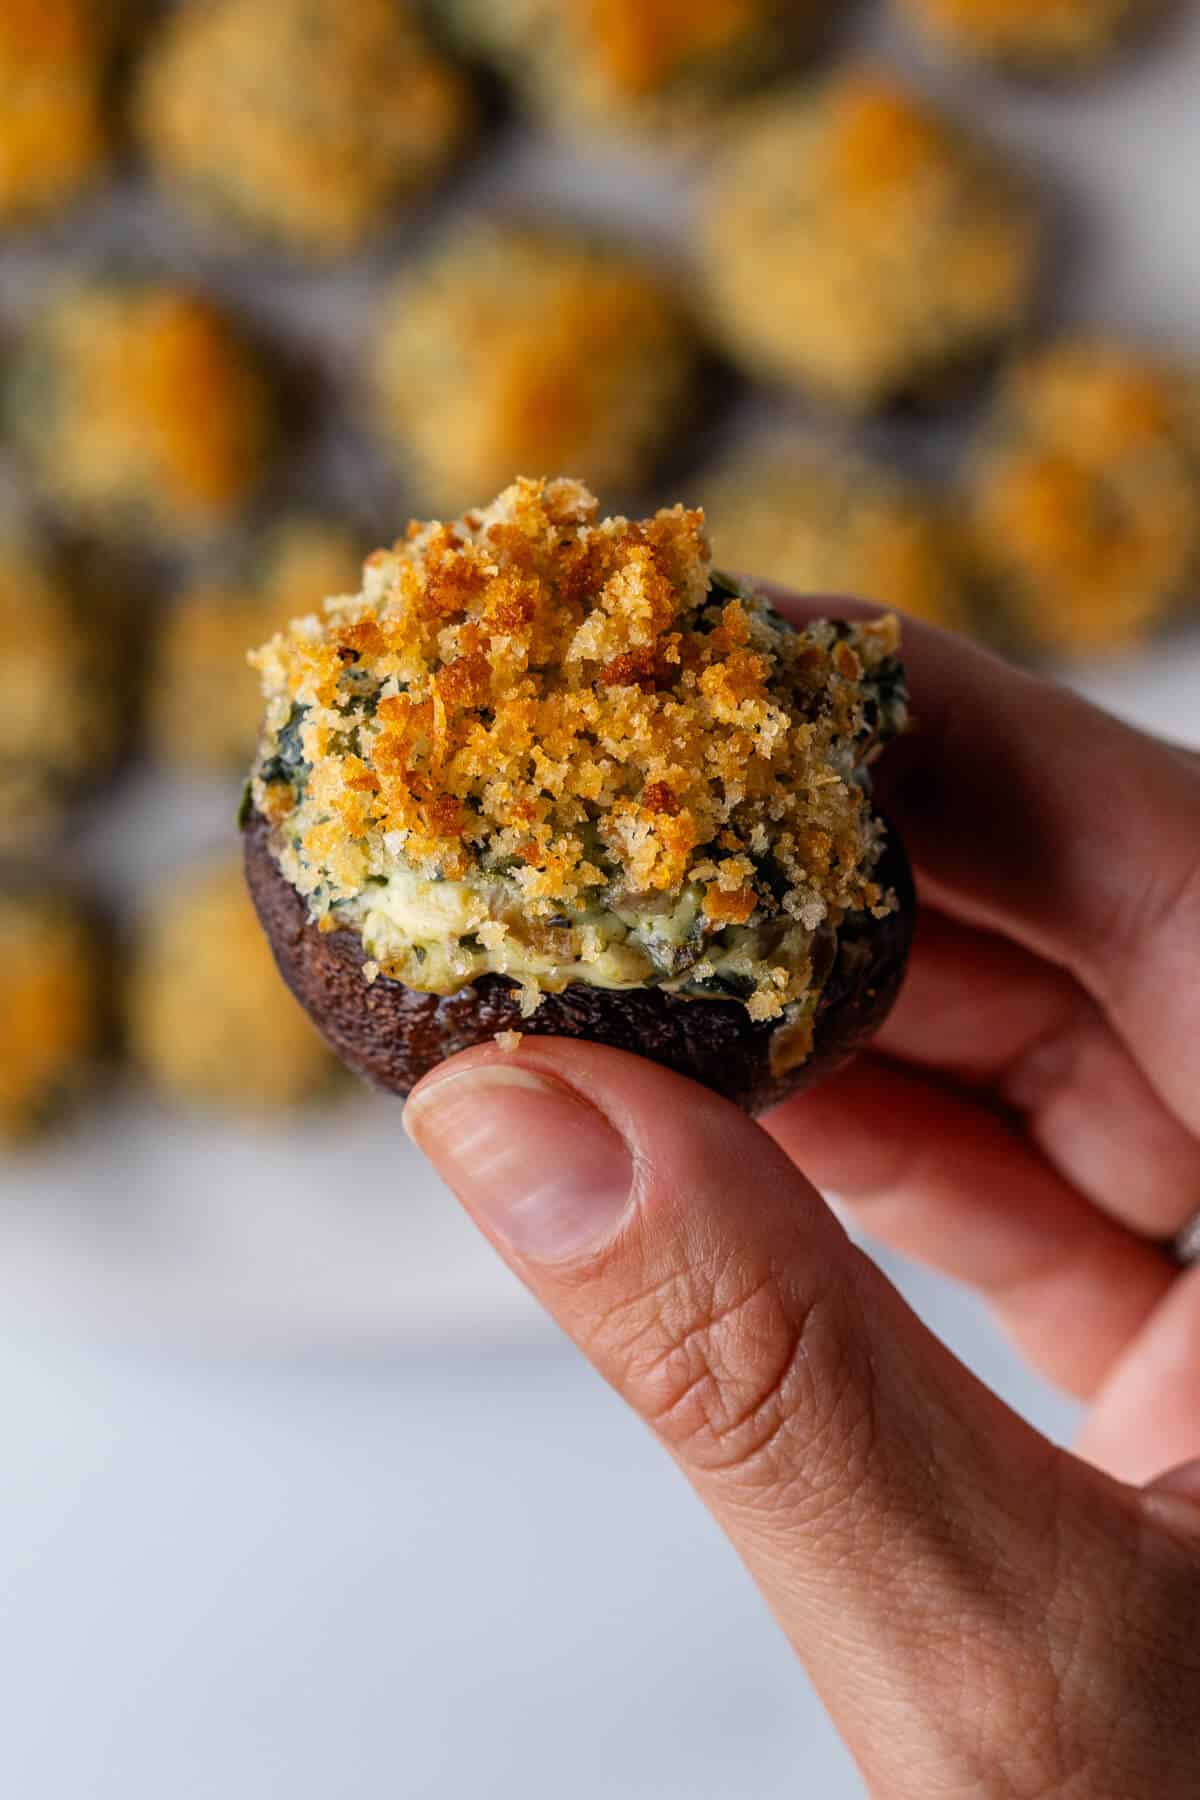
x=992 y=1015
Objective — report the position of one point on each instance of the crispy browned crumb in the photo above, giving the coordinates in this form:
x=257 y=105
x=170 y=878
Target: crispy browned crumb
x=860 y=243
x=821 y=522
x=1054 y=36
x=1085 y=495
x=205 y=704
x=140 y=409
x=582 y=734
x=210 y=1020
x=518 y=348
x=52 y=982
x=304 y=120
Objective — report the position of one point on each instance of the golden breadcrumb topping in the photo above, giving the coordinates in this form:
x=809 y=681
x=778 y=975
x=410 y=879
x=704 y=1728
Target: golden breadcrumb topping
x=60 y=696
x=579 y=728
x=330 y=112
x=141 y=409
x=54 y=127
x=859 y=242
x=1086 y=494
x=1035 y=34
x=205 y=705
x=653 y=65
x=523 y=348
x=51 y=1013
x=210 y=1019
x=821 y=524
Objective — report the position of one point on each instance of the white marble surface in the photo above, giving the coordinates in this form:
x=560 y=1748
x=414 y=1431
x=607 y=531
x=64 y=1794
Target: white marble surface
x=298 y=1499
x=426 y=1575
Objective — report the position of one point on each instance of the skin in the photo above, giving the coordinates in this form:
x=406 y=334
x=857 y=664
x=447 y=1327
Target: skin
x=983 y=1613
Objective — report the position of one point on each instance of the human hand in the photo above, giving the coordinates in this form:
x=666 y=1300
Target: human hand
x=982 y=1613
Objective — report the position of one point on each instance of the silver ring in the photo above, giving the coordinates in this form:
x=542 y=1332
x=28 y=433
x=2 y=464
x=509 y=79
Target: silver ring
x=1185 y=1248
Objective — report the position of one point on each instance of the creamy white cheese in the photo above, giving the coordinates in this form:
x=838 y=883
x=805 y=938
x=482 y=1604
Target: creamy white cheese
x=439 y=935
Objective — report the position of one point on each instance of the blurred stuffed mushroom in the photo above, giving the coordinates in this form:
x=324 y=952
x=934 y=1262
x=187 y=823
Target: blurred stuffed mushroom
x=1084 y=496
x=141 y=410
x=55 y=997
x=860 y=244
x=1034 y=37
x=56 y=113
x=210 y=1023
x=522 y=349
x=205 y=702
x=65 y=682
x=553 y=774
x=826 y=522
x=639 y=66
x=303 y=121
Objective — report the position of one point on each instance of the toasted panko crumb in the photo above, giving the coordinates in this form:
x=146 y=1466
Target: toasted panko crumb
x=576 y=712
x=861 y=243
x=1085 y=495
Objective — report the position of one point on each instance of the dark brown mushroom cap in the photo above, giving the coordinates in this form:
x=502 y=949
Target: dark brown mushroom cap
x=393 y=1035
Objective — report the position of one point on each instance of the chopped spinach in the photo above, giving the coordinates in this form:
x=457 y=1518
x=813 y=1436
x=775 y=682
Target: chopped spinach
x=288 y=764
x=733 y=987
x=723 y=587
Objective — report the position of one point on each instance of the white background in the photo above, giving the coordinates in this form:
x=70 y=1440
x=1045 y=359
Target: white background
x=297 y=1497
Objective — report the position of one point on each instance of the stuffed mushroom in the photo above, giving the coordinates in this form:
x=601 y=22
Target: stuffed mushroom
x=140 y=410
x=516 y=346
x=1084 y=496
x=616 y=67
x=65 y=694
x=210 y=1024
x=204 y=700
x=303 y=121
x=54 y=1004
x=825 y=522
x=1034 y=37
x=862 y=245
x=554 y=774
x=56 y=126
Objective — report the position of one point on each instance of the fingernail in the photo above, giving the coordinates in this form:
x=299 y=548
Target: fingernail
x=543 y=1169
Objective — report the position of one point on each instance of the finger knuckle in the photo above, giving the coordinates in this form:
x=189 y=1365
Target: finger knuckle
x=745 y=1379
x=1163 y=908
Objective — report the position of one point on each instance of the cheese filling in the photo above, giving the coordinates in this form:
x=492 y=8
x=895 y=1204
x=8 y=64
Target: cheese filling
x=440 y=935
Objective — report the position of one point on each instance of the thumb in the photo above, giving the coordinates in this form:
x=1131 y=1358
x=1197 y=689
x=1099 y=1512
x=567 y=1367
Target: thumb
x=917 y=1542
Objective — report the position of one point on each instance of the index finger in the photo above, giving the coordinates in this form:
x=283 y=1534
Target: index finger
x=1038 y=815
